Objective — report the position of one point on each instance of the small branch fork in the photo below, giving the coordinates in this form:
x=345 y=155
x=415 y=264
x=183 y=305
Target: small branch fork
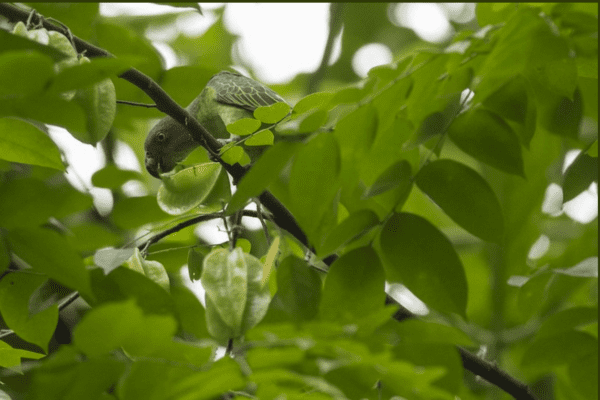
x=280 y=215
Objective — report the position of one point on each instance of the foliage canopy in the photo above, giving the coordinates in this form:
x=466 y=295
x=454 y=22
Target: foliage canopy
x=435 y=174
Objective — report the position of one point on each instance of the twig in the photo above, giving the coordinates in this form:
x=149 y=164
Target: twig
x=133 y=103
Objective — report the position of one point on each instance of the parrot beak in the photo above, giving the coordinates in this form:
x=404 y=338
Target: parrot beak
x=152 y=166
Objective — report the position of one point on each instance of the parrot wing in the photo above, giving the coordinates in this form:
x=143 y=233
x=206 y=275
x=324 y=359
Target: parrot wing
x=237 y=90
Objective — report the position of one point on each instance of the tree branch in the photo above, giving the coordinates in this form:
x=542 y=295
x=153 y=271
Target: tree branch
x=281 y=215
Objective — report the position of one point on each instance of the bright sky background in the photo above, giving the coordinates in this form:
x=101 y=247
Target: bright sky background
x=268 y=26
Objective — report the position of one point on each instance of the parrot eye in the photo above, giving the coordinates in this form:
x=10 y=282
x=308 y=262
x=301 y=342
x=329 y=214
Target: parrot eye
x=161 y=137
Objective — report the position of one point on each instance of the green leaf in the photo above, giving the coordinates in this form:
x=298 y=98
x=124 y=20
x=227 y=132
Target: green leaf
x=243 y=127
x=48 y=252
x=313 y=100
x=488 y=138
x=493 y=13
x=273 y=113
x=11 y=358
x=562 y=348
x=112 y=177
x=232 y=155
x=151 y=269
x=15 y=291
x=351 y=228
x=314 y=182
x=24 y=143
x=313 y=121
x=354 y=286
x=299 y=288
x=579 y=176
x=24 y=73
x=395 y=175
x=99 y=103
x=515 y=102
x=189 y=311
x=132 y=212
x=235 y=297
x=415 y=331
x=465 y=196
x=114 y=325
x=195 y=259
x=263 y=138
x=187 y=188
x=85 y=74
x=567 y=320
x=52 y=110
x=110 y=258
x=584 y=374
x=422 y=258
x=262 y=173
x=12 y=43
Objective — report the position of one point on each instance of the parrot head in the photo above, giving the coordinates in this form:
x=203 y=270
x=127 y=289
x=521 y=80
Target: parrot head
x=167 y=144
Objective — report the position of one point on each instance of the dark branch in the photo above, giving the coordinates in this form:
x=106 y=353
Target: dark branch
x=281 y=215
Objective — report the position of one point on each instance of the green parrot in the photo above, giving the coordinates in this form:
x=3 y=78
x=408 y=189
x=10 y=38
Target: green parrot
x=227 y=97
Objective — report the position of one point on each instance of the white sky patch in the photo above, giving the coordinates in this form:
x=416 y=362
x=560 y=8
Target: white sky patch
x=139 y=9
x=369 y=56
x=584 y=207
x=212 y=232
x=428 y=20
x=275 y=39
x=539 y=248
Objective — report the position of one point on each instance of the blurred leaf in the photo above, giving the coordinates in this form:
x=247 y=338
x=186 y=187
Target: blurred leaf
x=24 y=73
x=195 y=259
x=53 y=110
x=579 y=176
x=584 y=374
x=132 y=212
x=395 y=175
x=314 y=182
x=313 y=121
x=351 y=228
x=110 y=326
x=299 y=288
x=109 y=258
x=244 y=126
x=15 y=291
x=49 y=253
x=488 y=138
x=568 y=319
x=24 y=143
x=82 y=75
x=559 y=349
x=421 y=257
x=112 y=177
x=262 y=173
x=11 y=357
x=354 y=286
x=273 y=113
x=465 y=196
x=14 y=43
